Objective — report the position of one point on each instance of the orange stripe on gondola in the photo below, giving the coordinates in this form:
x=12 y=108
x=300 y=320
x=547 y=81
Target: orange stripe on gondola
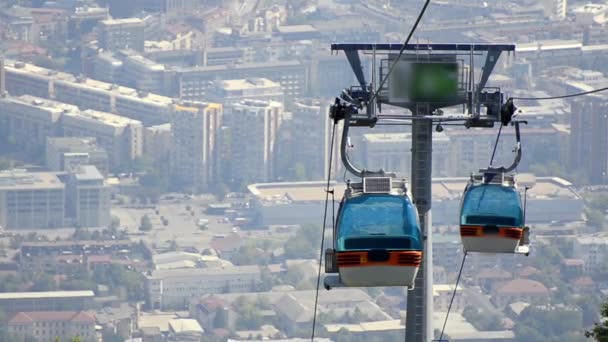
x=505 y=232
x=396 y=258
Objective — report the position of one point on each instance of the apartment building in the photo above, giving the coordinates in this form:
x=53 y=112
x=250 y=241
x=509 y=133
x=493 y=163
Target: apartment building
x=592 y=250
x=49 y=325
x=157 y=143
x=194 y=160
x=29 y=120
x=392 y=152
x=257 y=88
x=174 y=288
x=14 y=302
x=88 y=197
x=310 y=129
x=121 y=137
x=149 y=108
x=31 y=200
x=193 y=83
x=117 y=34
x=63 y=152
x=254 y=129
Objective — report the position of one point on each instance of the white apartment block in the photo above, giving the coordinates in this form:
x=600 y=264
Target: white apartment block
x=149 y=108
x=194 y=144
x=121 y=137
x=88 y=197
x=593 y=250
x=392 y=152
x=254 y=130
x=31 y=200
x=174 y=288
x=311 y=129
x=29 y=120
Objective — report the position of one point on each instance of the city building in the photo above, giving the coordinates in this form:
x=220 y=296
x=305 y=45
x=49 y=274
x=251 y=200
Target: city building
x=184 y=330
x=46 y=326
x=88 y=197
x=62 y=152
x=168 y=6
x=14 y=302
x=174 y=288
x=392 y=152
x=31 y=200
x=228 y=92
x=194 y=159
x=149 y=108
x=121 y=137
x=588 y=140
x=143 y=74
x=106 y=67
x=254 y=128
x=117 y=34
x=84 y=19
x=592 y=250
x=193 y=83
x=302 y=202
x=556 y=9
x=310 y=131
x=58 y=256
x=520 y=290
x=29 y=121
x=157 y=143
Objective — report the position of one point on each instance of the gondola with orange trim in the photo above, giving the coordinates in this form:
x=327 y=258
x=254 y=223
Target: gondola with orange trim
x=376 y=237
x=492 y=217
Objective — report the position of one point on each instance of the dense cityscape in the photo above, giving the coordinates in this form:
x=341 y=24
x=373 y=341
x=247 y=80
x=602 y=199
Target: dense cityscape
x=163 y=167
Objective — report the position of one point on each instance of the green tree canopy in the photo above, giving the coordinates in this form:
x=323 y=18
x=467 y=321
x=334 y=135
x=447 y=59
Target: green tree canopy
x=600 y=330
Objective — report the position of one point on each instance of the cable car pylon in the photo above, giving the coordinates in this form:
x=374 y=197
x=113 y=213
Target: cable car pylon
x=408 y=87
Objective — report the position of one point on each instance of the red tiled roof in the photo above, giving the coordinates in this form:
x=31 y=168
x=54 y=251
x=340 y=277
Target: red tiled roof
x=52 y=316
x=493 y=273
x=523 y=286
x=528 y=271
x=583 y=281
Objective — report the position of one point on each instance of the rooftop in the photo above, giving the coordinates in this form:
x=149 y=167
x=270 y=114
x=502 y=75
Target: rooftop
x=52 y=316
x=73 y=143
x=185 y=325
x=443 y=189
x=104 y=118
x=21 y=180
x=48 y=294
x=36 y=102
x=124 y=93
x=247 y=84
x=206 y=272
x=123 y=21
x=522 y=286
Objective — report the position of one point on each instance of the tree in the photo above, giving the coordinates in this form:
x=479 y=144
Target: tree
x=221 y=191
x=145 y=225
x=115 y=222
x=600 y=330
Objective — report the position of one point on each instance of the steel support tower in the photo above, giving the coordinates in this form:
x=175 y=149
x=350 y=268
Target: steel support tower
x=367 y=100
x=420 y=300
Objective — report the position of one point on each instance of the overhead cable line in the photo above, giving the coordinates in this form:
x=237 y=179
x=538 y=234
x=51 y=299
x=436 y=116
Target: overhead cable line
x=464 y=258
x=401 y=51
x=560 y=96
x=327 y=192
x=495 y=145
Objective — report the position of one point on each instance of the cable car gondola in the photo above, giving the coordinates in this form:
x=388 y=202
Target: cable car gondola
x=492 y=217
x=376 y=238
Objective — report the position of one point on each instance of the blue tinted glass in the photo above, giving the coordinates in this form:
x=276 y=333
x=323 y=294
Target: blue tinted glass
x=381 y=220
x=492 y=204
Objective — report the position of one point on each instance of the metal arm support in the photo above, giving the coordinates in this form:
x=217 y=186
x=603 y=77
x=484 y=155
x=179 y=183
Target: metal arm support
x=515 y=163
x=344 y=154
